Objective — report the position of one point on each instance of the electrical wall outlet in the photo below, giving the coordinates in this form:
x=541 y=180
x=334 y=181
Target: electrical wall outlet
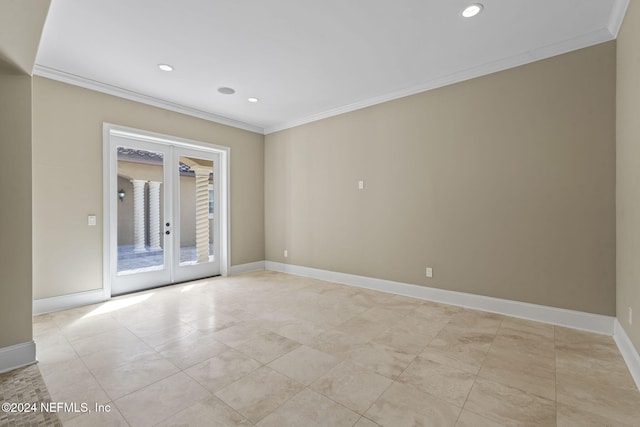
x=91 y=220
x=630 y=316
x=286 y=253
x=429 y=272
x=361 y=185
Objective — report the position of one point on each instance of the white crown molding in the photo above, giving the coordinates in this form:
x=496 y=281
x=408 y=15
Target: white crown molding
x=628 y=351
x=64 y=302
x=618 y=11
x=72 y=79
x=557 y=316
x=585 y=40
x=17 y=356
x=246 y=268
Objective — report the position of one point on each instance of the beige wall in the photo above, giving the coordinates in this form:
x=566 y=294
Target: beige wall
x=503 y=184
x=628 y=173
x=15 y=209
x=67 y=174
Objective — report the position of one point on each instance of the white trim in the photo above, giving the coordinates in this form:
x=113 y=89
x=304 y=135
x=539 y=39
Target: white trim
x=72 y=79
x=618 y=11
x=246 y=268
x=17 y=356
x=589 y=39
x=557 y=316
x=628 y=351
x=64 y=302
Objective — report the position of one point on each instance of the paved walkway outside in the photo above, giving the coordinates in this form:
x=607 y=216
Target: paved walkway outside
x=130 y=260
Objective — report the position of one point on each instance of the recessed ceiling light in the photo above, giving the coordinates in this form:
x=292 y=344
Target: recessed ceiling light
x=472 y=10
x=226 y=90
x=253 y=99
x=165 y=67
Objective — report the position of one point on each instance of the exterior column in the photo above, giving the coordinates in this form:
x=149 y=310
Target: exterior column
x=202 y=212
x=154 y=216
x=138 y=215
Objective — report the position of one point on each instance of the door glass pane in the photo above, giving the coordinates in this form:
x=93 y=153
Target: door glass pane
x=196 y=210
x=140 y=211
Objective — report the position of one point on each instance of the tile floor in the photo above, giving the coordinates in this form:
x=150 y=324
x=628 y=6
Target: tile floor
x=270 y=349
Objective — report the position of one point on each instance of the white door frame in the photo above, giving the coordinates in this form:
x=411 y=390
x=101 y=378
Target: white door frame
x=109 y=189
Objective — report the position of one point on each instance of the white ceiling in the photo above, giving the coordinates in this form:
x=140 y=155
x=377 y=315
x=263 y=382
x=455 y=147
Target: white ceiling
x=304 y=59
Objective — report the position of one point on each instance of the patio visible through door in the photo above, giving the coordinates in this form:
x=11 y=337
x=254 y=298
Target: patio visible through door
x=164 y=209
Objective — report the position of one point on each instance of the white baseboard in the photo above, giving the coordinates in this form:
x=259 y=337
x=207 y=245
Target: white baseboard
x=246 y=268
x=63 y=302
x=557 y=316
x=628 y=351
x=17 y=356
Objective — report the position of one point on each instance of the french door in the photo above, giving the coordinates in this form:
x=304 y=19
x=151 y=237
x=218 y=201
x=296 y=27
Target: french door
x=164 y=212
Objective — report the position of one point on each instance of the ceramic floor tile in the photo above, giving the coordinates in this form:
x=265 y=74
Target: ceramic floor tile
x=161 y=400
x=52 y=349
x=127 y=378
x=477 y=321
x=611 y=372
x=353 y=386
x=434 y=313
x=267 y=347
x=238 y=334
x=62 y=375
x=300 y=331
x=572 y=417
x=365 y=422
x=338 y=343
x=355 y=342
x=525 y=342
x=403 y=405
x=509 y=406
x=402 y=340
x=526 y=372
x=69 y=317
x=118 y=355
x=382 y=315
x=601 y=397
x=90 y=326
x=530 y=326
x=213 y=323
x=384 y=360
x=304 y=364
x=120 y=338
x=159 y=333
x=222 y=369
x=469 y=419
x=191 y=349
x=368 y=329
x=76 y=389
x=112 y=418
x=44 y=325
x=211 y=412
x=585 y=343
x=442 y=381
x=310 y=409
x=418 y=325
x=259 y=393
x=461 y=349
